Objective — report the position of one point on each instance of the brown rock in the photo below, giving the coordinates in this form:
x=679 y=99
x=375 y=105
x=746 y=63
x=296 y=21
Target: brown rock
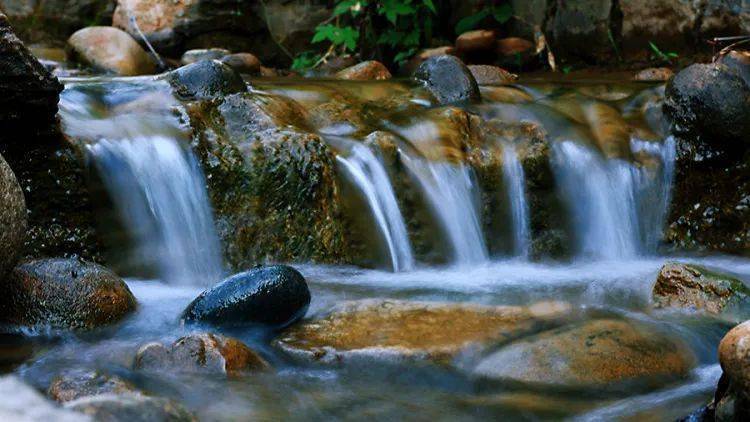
x=654 y=74
x=365 y=71
x=491 y=75
x=423 y=55
x=475 y=41
x=203 y=352
x=594 y=354
x=111 y=50
x=512 y=45
x=243 y=63
x=398 y=330
x=73 y=385
x=268 y=72
x=734 y=356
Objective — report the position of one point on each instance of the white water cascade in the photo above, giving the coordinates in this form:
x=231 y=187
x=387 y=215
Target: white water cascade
x=452 y=195
x=515 y=182
x=617 y=207
x=158 y=189
x=368 y=174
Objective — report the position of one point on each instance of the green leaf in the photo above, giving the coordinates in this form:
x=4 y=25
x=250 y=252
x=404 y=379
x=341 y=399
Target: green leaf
x=346 y=36
x=305 y=60
x=392 y=9
x=404 y=55
x=470 y=22
x=344 y=7
x=430 y=5
x=502 y=13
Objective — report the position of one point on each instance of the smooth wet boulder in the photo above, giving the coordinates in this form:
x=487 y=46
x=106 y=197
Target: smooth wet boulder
x=12 y=218
x=596 y=354
x=243 y=63
x=130 y=408
x=75 y=384
x=205 y=79
x=491 y=75
x=425 y=54
x=687 y=286
x=448 y=79
x=192 y=56
x=732 y=398
x=394 y=330
x=21 y=402
x=275 y=296
x=63 y=294
x=111 y=50
x=200 y=353
x=366 y=71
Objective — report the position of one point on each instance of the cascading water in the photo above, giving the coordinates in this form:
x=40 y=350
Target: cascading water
x=451 y=193
x=369 y=175
x=617 y=207
x=515 y=182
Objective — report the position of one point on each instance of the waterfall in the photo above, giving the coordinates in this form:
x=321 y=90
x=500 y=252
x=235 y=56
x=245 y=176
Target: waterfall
x=515 y=182
x=368 y=174
x=451 y=193
x=617 y=207
x=158 y=189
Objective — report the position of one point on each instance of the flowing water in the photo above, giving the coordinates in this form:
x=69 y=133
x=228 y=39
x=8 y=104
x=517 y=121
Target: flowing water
x=615 y=206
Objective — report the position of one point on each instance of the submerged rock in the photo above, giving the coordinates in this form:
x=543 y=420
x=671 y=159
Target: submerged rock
x=592 y=355
x=276 y=296
x=73 y=385
x=205 y=79
x=63 y=294
x=192 y=56
x=21 y=402
x=692 y=287
x=491 y=75
x=242 y=63
x=130 y=408
x=200 y=353
x=12 y=218
x=448 y=79
x=365 y=71
x=396 y=330
x=111 y=50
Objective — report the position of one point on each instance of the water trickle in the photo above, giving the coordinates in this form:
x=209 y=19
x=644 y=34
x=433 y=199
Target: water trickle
x=368 y=174
x=617 y=207
x=452 y=194
x=515 y=182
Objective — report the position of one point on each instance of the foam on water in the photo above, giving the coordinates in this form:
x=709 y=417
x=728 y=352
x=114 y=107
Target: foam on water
x=515 y=182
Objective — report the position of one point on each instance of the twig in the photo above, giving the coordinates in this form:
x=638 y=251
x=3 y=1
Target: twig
x=148 y=44
x=270 y=33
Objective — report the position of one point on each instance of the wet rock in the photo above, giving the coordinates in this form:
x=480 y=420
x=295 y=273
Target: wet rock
x=23 y=403
x=130 y=408
x=64 y=294
x=591 y=355
x=732 y=398
x=365 y=71
x=276 y=296
x=75 y=384
x=396 y=330
x=111 y=50
x=205 y=79
x=448 y=79
x=686 y=286
x=709 y=106
x=739 y=62
x=585 y=29
x=192 y=56
x=491 y=75
x=243 y=63
x=12 y=218
x=475 y=41
x=200 y=353
x=654 y=74
x=425 y=54
x=512 y=46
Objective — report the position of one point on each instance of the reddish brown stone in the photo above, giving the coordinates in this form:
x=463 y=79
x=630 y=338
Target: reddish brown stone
x=474 y=41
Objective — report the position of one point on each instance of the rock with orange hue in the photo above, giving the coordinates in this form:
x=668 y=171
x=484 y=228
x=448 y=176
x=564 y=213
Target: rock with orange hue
x=73 y=385
x=732 y=398
x=475 y=41
x=111 y=50
x=366 y=71
x=654 y=74
x=596 y=354
x=200 y=353
x=512 y=46
x=491 y=75
x=243 y=63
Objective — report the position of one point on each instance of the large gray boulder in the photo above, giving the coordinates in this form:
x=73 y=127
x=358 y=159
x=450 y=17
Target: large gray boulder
x=12 y=218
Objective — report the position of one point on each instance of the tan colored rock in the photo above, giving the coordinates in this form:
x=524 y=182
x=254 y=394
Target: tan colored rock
x=594 y=354
x=202 y=352
x=151 y=16
x=405 y=330
x=734 y=357
x=192 y=56
x=513 y=45
x=475 y=41
x=243 y=63
x=654 y=74
x=491 y=75
x=111 y=50
x=73 y=385
x=366 y=71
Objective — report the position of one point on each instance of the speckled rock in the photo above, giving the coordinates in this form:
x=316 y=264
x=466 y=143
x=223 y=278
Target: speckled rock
x=687 y=286
x=395 y=330
x=75 y=384
x=12 y=218
x=595 y=354
x=205 y=79
x=275 y=296
x=448 y=79
x=366 y=71
x=111 y=50
x=196 y=55
x=130 y=408
x=63 y=294
x=200 y=353
x=491 y=75
x=654 y=74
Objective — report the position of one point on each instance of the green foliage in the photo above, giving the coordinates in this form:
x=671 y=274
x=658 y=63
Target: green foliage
x=305 y=60
x=664 y=56
x=500 y=13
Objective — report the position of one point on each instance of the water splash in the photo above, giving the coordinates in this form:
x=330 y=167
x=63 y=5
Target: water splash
x=515 y=182
x=369 y=175
x=451 y=192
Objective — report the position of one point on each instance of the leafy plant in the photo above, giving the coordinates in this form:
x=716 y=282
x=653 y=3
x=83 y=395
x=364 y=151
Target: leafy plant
x=500 y=13
x=665 y=56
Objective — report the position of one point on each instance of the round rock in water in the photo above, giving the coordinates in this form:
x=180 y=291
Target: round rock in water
x=12 y=218
x=448 y=79
x=276 y=296
x=63 y=294
x=205 y=79
x=130 y=408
